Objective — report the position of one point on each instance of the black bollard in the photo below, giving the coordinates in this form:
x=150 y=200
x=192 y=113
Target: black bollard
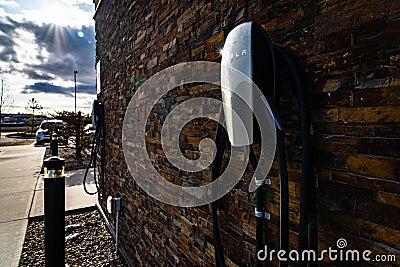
x=54 y=144
x=54 y=209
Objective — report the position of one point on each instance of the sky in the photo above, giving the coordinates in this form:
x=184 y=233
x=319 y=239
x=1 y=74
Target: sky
x=42 y=43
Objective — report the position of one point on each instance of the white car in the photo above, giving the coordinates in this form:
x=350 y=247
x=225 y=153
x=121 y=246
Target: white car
x=43 y=134
x=89 y=129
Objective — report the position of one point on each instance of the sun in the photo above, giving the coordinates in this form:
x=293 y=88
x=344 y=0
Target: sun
x=61 y=21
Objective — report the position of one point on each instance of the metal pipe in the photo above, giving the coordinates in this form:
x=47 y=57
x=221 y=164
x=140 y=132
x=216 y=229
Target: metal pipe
x=259 y=221
x=284 y=194
x=116 y=231
x=116 y=206
x=260 y=212
x=283 y=178
x=110 y=229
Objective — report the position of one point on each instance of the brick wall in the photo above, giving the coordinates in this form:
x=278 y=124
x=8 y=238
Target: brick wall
x=349 y=55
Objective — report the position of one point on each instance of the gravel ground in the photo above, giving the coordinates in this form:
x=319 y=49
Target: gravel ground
x=87 y=242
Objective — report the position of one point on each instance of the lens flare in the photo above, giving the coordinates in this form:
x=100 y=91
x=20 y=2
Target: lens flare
x=80 y=34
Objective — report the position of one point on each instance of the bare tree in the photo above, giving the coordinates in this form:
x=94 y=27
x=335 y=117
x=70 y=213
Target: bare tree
x=5 y=100
x=32 y=106
x=74 y=127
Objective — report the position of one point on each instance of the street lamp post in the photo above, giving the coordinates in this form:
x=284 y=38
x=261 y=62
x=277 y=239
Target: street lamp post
x=1 y=102
x=75 y=72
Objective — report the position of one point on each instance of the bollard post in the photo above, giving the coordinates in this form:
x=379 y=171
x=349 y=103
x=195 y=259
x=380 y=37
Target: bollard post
x=54 y=144
x=54 y=209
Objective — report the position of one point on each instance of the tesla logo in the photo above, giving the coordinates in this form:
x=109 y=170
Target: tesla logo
x=238 y=54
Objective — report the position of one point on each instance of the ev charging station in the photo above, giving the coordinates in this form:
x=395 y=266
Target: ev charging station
x=249 y=50
x=98 y=146
x=114 y=204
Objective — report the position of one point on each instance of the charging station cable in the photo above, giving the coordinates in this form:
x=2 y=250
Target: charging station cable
x=96 y=144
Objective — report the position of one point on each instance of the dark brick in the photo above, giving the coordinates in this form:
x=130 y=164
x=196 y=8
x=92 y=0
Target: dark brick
x=380 y=147
x=349 y=58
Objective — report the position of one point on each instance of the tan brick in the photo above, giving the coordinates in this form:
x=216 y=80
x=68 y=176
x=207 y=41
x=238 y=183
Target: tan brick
x=388 y=198
x=197 y=51
x=371 y=166
x=367 y=182
x=370 y=114
x=333 y=85
x=215 y=39
x=325 y=115
x=379 y=233
x=270 y=25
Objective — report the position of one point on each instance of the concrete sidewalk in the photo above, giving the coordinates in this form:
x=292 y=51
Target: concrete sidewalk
x=21 y=196
x=75 y=196
x=19 y=170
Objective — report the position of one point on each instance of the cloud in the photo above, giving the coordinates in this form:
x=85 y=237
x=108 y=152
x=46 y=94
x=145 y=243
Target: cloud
x=7 y=25
x=9 y=3
x=68 y=51
x=34 y=75
x=45 y=87
x=7 y=53
x=85 y=6
x=47 y=51
x=59 y=12
x=86 y=89
x=42 y=43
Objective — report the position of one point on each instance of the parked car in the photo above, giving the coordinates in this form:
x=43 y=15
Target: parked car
x=21 y=121
x=89 y=129
x=6 y=120
x=46 y=128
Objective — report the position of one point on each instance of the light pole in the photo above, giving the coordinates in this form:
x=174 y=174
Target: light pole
x=75 y=72
x=1 y=101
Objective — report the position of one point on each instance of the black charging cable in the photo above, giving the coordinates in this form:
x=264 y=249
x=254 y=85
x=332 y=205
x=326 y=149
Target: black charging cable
x=221 y=139
x=96 y=145
x=308 y=232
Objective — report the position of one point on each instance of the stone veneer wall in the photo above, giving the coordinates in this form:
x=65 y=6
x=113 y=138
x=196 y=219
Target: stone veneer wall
x=349 y=53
